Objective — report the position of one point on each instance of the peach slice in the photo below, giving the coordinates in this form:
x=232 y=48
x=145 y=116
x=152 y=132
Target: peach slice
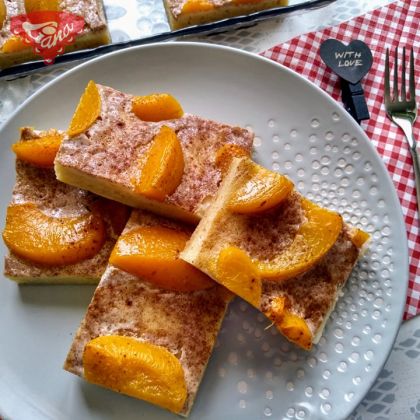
x=227 y=153
x=39 y=152
x=14 y=44
x=157 y=107
x=291 y=325
x=87 y=110
x=197 y=6
x=359 y=237
x=151 y=252
x=313 y=240
x=162 y=172
x=3 y=13
x=40 y=5
x=40 y=238
x=141 y=370
x=237 y=272
x=262 y=191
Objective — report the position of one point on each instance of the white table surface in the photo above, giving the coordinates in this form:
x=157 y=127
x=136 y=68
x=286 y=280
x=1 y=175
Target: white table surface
x=396 y=393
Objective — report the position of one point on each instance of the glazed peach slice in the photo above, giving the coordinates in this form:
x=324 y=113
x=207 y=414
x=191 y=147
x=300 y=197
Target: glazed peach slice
x=39 y=152
x=157 y=107
x=14 y=44
x=262 y=191
x=135 y=368
x=87 y=110
x=151 y=252
x=227 y=153
x=3 y=13
x=197 y=6
x=164 y=166
x=313 y=240
x=291 y=325
x=41 y=5
x=32 y=234
x=238 y=273
x=359 y=237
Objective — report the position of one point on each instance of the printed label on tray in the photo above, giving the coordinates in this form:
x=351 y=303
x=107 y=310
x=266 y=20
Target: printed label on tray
x=48 y=32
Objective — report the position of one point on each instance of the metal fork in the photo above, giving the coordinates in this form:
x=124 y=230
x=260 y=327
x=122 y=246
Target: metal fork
x=403 y=111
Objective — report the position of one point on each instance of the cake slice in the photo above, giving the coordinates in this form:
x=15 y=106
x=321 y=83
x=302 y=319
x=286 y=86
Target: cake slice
x=182 y=13
x=55 y=233
x=13 y=50
x=120 y=150
x=282 y=253
x=153 y=320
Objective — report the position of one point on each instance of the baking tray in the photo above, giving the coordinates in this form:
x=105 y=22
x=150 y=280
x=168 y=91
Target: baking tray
x=139 y=22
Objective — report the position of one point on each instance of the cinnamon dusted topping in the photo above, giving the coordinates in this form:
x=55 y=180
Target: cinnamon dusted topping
x=177 y=5
x=40 y=187
x=90 y=10
x=262 y=237
x=113 y=147
x=312 y=293
x=272 y=232
x=184 y=323
x=144 y=218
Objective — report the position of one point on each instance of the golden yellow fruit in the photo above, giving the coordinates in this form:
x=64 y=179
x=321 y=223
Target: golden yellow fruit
x=135 y=368
x=296 y=330
x=151 y=252
x=157 y=107
x=164 y=167
x=237 y=272
x=39 y=152
x=227 y=153
x=359 y=237
x=3 y=13
x=197 y=6
x=87 y=110
x=14 y=44
x=33 y=235
x=292 y=326
x=313 y=240
x=41 y=5
x=262 y=191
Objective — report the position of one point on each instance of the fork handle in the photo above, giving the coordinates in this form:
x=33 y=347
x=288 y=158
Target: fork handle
x=406 y=125
x=416 y=165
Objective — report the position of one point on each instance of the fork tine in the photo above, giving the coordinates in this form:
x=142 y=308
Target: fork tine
x=412 y=85
x=387 y=87
x=403 y=91
x=396 y=75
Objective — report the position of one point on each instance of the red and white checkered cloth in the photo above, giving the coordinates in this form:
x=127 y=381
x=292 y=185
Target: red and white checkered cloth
x=387 y=27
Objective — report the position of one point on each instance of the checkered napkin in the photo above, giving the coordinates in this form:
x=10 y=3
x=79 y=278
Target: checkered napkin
x=389 y=26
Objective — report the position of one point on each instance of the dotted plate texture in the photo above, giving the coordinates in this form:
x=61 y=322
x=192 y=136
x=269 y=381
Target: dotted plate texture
x=254 y=373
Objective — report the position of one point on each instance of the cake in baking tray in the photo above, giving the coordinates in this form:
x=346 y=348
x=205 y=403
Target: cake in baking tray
x=55 y=233
x=282 y=253
x=145 y=152
x=13 y=50
x=153 y=320
x=182 y=13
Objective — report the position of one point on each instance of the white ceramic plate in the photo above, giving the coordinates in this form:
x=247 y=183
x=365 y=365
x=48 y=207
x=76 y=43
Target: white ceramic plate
x=253 y=373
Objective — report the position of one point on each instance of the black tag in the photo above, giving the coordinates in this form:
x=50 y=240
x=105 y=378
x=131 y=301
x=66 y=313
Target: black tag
x=351 y=62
